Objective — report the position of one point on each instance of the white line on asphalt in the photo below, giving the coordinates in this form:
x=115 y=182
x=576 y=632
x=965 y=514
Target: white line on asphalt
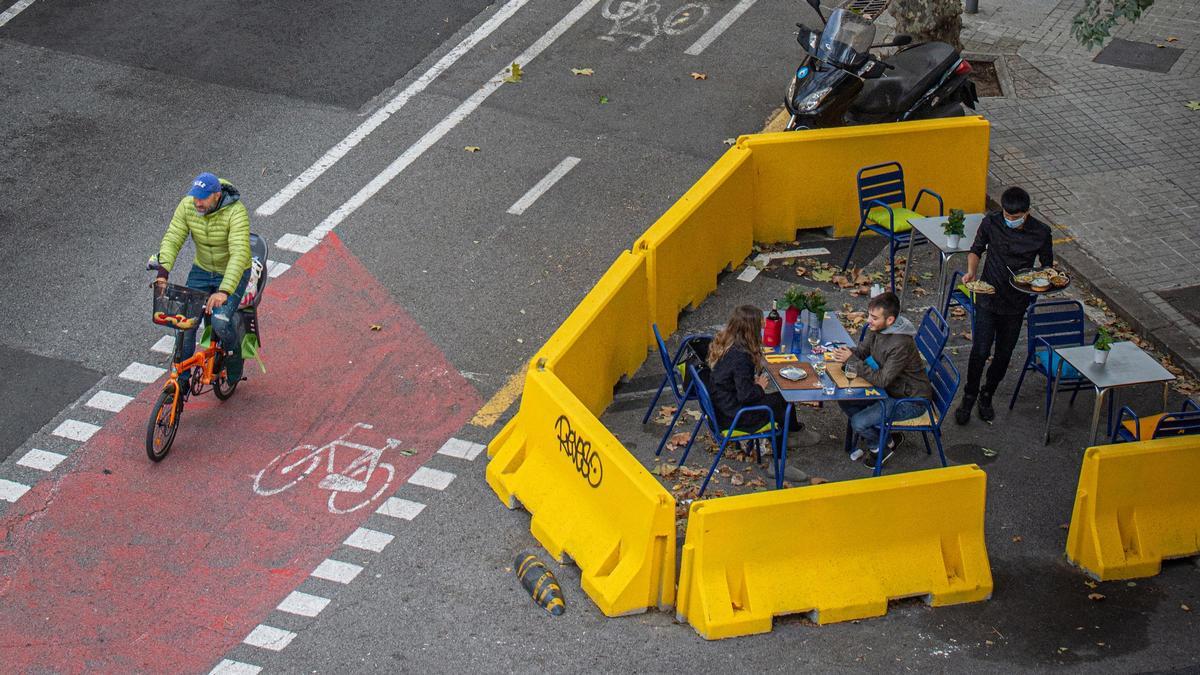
x=449 y=122
x=457 y=447
x=43 y=460
x=296 y=242
x=75 y=430
x=10 y=491
x=275 y=268
x=347 y=144
x=400 y=508
x=231 y=667
x=336 y=570
x=165 y=345
x=369 y=540
x=543 y=185
x=431 y=478
x=269 y=637
x=140 y=372
x=719 y=27
x=303 y=604
x=16 y=9
x=752 y=270
x=798 y=253
x=110 y=401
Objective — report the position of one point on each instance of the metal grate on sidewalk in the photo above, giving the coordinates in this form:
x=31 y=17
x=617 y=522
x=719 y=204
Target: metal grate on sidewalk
x=869 y=9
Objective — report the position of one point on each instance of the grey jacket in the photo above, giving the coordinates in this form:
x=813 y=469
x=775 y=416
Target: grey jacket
x=901 y=371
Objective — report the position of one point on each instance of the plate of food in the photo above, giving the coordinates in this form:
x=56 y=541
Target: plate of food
x=792 y=373
x=1040 y=280
x=980 y=287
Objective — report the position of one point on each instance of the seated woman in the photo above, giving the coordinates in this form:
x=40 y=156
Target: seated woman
x=738 y=380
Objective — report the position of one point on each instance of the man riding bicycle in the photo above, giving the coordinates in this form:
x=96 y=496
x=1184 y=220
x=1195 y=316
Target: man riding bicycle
x=213 y=215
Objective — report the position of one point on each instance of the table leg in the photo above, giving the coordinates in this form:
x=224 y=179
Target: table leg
x=908 y=267
x=1053 y=398
x=1165 y=387
x=942 y=293
x=1100 y=393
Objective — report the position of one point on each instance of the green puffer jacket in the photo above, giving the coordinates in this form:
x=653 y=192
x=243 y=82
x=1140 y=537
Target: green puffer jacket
x=222 y=237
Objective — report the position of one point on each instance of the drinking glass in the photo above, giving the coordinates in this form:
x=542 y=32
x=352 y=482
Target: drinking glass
x=851 y=371
x=814 y=339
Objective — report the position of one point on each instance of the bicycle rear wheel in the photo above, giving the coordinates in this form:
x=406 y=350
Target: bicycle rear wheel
x=222 y=387
x=160 y=431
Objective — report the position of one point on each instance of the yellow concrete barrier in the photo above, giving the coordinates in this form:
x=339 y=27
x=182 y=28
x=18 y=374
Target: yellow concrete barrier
x=807 y=179
x=839 y=551
x=707 y=231
x=1137 y=504
x=589 y=498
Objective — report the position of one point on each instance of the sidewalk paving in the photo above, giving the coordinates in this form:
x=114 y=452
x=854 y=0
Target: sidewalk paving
x=1109 y=154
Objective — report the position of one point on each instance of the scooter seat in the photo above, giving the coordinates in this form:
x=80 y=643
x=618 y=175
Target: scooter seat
x=916 y=70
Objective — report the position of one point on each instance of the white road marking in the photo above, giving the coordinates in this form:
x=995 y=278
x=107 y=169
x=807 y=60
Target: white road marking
x=400 y=508
x=336 y=570
x=165 y=345
x=303 y=604
x=431 y=478
x=231 y=667
x=13 y=11
x=449 y=122
x=369 y=540
x=140 y=372
x=798 y=253
x=269 y=637
x=719 y=27
x=456 y=447
x=543 y=185
x=275 y=268
x=297 y=243
x=42 y=460
x=752 y=270
x=10 y=491
x=347 y=144
x=75 y=430
x=110 y=401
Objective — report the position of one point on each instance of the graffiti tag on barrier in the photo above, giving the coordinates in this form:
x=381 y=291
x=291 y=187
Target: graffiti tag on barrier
x=587 y=461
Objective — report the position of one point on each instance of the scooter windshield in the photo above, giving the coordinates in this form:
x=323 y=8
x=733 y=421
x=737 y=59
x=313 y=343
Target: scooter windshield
x=846 y=40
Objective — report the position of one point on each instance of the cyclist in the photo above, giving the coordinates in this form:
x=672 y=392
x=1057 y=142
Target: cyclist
x=213 y=215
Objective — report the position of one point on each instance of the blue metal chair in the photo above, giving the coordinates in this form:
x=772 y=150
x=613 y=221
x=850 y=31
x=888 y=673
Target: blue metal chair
x=708 y=417
x=1130 y=427
x=674 y=371
x=959 y=296
x=932 y=335
x=945 y=380
x=1058 y=323
x=883 y=209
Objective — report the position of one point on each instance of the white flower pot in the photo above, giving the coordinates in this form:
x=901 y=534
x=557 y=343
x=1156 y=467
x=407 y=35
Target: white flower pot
x=1100 y=356
x=953 y=240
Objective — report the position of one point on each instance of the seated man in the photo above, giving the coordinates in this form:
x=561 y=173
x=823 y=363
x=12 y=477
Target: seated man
x=888 y=358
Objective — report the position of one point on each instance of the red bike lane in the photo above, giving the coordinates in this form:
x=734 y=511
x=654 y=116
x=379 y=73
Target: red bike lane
x=117 y=564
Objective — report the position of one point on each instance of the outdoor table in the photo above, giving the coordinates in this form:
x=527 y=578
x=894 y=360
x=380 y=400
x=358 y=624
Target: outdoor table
x=931 y=229
x=1127 y=365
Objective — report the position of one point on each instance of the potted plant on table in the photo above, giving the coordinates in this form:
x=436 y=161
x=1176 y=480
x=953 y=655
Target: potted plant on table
x=1103 y=344
x=795 y=301
x=954 y=227
x=814 y=302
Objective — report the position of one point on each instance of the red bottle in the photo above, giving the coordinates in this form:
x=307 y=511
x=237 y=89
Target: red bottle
x=772 y=327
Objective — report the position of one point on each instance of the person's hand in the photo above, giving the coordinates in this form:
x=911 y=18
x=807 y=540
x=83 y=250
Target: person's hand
x=160 y=283
x=761 y=380
x=842 y=354
x=968 y=277
x=214 y=301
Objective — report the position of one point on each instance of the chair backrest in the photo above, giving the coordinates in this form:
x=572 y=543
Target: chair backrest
x=666 y=361
x=882 y=182
x=945 y=378
x=1178 y=424
x=709 y=412
x=932 y=335
x=1059 y=322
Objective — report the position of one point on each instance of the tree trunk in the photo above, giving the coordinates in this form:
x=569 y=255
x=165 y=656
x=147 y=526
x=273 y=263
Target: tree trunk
x=929 y=20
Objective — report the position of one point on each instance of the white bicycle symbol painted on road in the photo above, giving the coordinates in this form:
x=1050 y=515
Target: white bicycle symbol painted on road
x=358 y=478
x=638 y=19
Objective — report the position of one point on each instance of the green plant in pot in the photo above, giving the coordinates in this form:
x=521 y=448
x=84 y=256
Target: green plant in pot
x=795 y=301
x=815 y=304
x=1103 y=344
x=955 y=227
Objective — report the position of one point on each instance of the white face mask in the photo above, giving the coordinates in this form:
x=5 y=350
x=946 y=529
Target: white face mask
x=1014 y=223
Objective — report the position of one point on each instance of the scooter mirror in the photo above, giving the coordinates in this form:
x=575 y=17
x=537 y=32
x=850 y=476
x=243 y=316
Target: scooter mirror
x=816 y=4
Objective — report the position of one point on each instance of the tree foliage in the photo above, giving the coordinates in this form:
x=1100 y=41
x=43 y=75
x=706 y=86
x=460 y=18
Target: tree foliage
x=1096 y=19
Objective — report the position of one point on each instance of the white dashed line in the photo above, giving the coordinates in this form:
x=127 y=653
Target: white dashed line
x=457 y=447
x=107 y=400
x=165 y=345
x=140 y=372
x=336 y=570
x=400 y=508
x=269 y=637
x=543 y=185
x=16 y=9
x=275 y=268
x=303 y=604
x=42 y=460
x=431 y=478
x=369 y=540
x=10 y=491
x=719 y=27
x=75 y=430
x=231 y=667
x=296 y=243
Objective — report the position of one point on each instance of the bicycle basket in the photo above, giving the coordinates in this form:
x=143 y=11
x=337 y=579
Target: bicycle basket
x=178 y=307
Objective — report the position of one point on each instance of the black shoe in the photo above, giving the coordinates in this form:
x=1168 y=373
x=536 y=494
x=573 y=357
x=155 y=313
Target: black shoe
x=894 y=441
x=963 y=414
x=870 y=460
x=986 y=412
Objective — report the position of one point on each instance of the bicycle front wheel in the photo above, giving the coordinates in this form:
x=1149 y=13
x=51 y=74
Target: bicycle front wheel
x=164 y=422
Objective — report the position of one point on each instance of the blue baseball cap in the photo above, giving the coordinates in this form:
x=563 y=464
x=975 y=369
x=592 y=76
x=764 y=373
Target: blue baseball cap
x=205 y=185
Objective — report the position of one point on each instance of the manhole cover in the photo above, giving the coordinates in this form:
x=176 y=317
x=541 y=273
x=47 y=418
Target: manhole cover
x=1185 y=300
x=1139 y=55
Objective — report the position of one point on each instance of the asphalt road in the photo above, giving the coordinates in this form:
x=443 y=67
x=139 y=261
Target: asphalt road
x=109 y=109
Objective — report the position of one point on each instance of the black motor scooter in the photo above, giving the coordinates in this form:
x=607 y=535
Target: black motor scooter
x=841 y=83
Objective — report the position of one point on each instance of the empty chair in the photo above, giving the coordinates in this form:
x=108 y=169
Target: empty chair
x=1130 y=427
x=1058 y=323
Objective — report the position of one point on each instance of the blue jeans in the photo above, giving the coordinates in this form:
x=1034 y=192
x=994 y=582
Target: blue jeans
x=867 y=416
x=225 y=322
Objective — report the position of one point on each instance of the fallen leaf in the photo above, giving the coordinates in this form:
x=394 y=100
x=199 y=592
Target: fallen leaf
x=1193 y=105
x=729 y=141
x=1172 y=39
x=801 y=271
x=603 y=100
x=1132 y=584
x=816 y=480
x=1064 y=526
x=737 y=479
x=699 y=76
x=988 y=452
x=585 y=72
x=1089 y=584
x=822 y=275
x=407 y=453
x=666 y=470
x=988 y=642
x=678 y=440
x=1017 y=539
x=376 y=326
x=472 y=148
x=1095 y=596
x=968 y=335
x=514 y=73
x=1185 y=608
